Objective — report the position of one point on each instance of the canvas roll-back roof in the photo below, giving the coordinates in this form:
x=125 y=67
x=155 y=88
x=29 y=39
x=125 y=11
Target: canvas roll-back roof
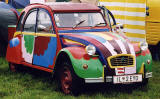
x=68 y=6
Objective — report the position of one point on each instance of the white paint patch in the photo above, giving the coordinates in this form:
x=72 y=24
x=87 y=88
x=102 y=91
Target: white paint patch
x=131 y=22
x=119 y=71
x=121 y=4
x=126 y=13
x=137 y=39
x=131 y=70
x=122 y=47
x=110 y=48
x=138 y=31
x=27 y=56
x=131 y=49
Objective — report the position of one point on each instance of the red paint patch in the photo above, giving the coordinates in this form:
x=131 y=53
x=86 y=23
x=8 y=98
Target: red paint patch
x=120 y=68
x=120 y=72
x=39 y=41
x=143 y=53
x=94 y=58
x=79 y=53
x=14 y=54
x=86 y=57
x=136 y=47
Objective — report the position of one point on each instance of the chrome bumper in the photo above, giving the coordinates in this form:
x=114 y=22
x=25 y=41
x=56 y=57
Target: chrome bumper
x=98 y=80
x=109 y=78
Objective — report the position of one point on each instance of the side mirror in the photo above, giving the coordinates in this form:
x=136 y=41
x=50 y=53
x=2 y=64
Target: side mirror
x=119 y=28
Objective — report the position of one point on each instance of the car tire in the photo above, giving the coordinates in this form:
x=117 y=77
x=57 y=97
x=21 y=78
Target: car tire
x=70 y=83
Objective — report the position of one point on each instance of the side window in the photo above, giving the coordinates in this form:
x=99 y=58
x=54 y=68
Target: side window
x=20 y=22
x=44 y=24
x=30 y=22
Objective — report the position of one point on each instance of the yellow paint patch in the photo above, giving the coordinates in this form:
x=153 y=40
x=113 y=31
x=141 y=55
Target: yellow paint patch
x=70 y=41
x=133 y=18
x=38 y=34
x=105 y=36
x=142 y=70
x=103 y=73
x=46 y=34
x=136 y=35
x=16 y=33
x=134 y=27
x=29 y=33
x=126 y=9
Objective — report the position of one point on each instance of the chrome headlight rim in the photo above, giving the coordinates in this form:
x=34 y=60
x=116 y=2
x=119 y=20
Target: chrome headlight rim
x=143 y=46
x=90 y=49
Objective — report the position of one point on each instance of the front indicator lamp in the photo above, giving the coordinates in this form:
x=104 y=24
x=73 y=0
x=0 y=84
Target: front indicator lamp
x=90 y=49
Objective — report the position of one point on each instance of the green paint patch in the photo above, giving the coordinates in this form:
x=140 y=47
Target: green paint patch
x=29 y=41
x=94 y=70
x=143 y=59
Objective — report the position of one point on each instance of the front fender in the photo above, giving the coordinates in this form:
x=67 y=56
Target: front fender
x=141 y=59
x=79 y=57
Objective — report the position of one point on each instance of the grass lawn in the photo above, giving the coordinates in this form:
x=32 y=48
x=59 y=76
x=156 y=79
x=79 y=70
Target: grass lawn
x=38 y=85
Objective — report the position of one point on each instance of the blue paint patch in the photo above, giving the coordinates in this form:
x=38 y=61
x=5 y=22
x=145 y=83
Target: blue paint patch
x=84 y=30
x=49 y=54
x=103 y=60
x=14 y=42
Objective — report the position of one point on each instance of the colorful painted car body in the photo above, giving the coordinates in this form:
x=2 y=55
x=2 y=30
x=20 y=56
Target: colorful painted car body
x=76 y=42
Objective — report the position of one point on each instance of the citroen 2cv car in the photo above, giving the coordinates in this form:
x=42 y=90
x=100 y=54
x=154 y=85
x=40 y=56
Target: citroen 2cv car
x=75 y=41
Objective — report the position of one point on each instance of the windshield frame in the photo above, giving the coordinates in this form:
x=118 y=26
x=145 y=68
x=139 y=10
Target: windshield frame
x=79 y=27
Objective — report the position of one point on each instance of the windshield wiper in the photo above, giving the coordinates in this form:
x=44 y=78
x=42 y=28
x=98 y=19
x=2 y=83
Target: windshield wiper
x=78 y=24
x=98 y=24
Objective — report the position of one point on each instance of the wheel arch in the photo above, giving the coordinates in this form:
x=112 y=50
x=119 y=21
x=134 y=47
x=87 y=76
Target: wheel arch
x=62 y=56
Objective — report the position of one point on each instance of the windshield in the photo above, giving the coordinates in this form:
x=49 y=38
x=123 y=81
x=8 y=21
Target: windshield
x=79 y=20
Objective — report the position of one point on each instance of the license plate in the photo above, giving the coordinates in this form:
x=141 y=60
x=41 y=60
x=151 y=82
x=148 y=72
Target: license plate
x=127 y=79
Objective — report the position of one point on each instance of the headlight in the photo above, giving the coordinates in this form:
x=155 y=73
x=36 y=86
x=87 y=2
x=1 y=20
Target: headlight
x=90 y=49
x=144 y=46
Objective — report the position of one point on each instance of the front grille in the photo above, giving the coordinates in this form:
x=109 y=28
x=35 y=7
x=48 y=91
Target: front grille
x=121 y=60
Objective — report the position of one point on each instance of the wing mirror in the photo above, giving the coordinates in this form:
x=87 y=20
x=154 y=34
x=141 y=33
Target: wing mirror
x=119 y=28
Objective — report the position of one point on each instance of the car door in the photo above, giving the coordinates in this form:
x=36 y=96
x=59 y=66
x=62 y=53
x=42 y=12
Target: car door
x=28 y=36
x=45 y=42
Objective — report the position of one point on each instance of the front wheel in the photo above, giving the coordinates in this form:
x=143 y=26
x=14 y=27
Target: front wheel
x=69 y=81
